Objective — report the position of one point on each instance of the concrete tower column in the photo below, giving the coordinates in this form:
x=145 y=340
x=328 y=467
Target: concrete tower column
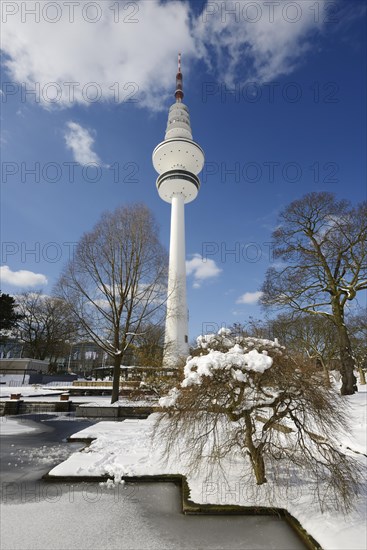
x=176 y=335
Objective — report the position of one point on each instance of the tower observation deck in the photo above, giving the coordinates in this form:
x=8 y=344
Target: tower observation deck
x=178 y=160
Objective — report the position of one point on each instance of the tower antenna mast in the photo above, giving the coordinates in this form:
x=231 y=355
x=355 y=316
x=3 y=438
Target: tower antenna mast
x=179 y=84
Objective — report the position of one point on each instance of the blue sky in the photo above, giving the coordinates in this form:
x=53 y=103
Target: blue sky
x=276 y=93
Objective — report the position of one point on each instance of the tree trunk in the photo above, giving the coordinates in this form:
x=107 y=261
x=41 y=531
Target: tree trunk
x=326 y=373
x=349 y=381
x=362 y=376
x=116 y=379
x=258 y=465
x=255 y=453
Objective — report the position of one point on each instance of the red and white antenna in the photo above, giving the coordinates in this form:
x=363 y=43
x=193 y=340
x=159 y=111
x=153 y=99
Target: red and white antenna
x=179 y=87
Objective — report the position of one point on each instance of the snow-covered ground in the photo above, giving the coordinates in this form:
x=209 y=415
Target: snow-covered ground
x=122 y=402
x=44 y=394
x=66 y=387
x=125 y=449
x=27 y=391
x=14 y=379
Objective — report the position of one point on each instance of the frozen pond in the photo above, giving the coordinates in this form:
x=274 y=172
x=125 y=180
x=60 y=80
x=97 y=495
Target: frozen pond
x=135 y=516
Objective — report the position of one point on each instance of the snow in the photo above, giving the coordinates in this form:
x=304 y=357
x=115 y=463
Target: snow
x=12 y=426
x=129 y=517
x=126 y=449
x=106 y=402
x=67 y=387
x=170 y=399
x=26 y=391
x=225 y=338
x=77 y=519
x=120 y=447
x=42 y=394
x=14 y=379
x=129 y=448
x=357 y=439
x=235 y=359
x=224 y=331
x=101 y=428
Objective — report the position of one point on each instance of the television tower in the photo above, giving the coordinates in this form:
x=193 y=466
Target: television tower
x=178 y=160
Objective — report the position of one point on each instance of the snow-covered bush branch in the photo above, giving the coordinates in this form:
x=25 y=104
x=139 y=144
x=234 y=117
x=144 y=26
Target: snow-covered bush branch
x=247 y=398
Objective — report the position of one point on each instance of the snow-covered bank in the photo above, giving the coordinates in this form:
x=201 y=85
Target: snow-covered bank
x=125 y=449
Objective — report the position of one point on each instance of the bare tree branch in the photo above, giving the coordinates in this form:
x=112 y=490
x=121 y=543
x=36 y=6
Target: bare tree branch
x=323 y=245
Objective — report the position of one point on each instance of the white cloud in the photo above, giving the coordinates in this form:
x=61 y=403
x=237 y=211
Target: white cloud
x=249 y=298
x=129 y=51
x=262 y=40
x=81 y=141
x=21 y=278
x=201 y=269
x=102 y=303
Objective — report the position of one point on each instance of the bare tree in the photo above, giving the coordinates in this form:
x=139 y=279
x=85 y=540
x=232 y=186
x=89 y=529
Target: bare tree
x=322 y=247
x=116 y=281
x=150 y=346
x=246 y=397
x=315 y=336
x=259 y=328
x=46 y=325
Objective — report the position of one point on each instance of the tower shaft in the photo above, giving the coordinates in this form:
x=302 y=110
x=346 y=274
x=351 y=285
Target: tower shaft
x=176 y=335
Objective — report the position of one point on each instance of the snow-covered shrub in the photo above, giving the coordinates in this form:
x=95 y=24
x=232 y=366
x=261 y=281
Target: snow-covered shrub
x=249 y=398
x=226 y=339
